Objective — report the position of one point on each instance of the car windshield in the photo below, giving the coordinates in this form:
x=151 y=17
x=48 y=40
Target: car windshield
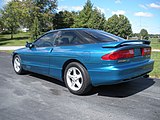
x=101 y=36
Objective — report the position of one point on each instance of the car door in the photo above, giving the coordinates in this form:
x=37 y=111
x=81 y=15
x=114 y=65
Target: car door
x=37 y=57
x=62 y=51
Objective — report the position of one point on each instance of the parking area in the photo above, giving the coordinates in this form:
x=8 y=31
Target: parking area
x=37 y=97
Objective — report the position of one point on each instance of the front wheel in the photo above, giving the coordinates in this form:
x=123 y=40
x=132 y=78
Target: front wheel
x=17 y=65
x=77 y=79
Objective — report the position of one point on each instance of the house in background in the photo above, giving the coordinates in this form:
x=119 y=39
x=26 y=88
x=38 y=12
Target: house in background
x=23 y=29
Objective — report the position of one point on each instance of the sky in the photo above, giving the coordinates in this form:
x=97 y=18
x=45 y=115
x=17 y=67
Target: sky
x=141 y=13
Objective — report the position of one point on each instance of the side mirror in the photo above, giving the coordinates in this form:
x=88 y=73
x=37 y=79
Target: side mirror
x=29 y=45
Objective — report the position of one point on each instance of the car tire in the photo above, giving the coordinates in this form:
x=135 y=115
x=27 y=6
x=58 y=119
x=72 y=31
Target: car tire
x=77 y=79
x=17 y=65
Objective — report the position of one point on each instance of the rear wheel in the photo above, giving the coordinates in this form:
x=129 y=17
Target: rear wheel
x=17 y=65
x=77 y=79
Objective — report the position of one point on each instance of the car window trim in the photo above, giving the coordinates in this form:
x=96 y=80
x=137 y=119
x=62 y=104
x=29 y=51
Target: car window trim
x=54 y=32
x=74 y=31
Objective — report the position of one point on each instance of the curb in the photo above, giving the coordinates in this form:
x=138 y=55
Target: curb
x=10 y=47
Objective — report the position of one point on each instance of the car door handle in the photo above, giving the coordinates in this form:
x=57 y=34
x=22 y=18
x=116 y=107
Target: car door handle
x=51 y=50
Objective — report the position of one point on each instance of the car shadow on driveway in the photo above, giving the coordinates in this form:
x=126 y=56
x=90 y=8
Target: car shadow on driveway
x=124 y=89
x=119 y=90
x=49 y=79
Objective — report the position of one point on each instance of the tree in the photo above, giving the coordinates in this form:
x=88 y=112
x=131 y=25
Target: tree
x=119 y=25
x=68 y=19
x=98 y=20
x=44 y=10
x=90 y=17
x=21 y=13
x=63 y=19
x=84 y=17
x=35 y=32
x=58 y=20
x=27 y=18
x=144 y=34
x=1 y=24
x=11 y=16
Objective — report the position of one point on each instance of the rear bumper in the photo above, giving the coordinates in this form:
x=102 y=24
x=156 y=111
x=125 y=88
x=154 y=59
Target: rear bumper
x=120 y=73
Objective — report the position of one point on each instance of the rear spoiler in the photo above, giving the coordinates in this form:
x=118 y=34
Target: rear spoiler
x=126 y=42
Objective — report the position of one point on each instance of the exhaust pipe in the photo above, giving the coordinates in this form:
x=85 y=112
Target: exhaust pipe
x=146 y=76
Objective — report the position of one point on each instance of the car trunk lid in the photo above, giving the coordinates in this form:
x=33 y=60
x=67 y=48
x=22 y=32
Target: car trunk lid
x=134 y=50
x=125 y=43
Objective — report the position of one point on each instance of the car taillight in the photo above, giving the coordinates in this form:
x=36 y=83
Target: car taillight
x=121 y=54
x=146 y=51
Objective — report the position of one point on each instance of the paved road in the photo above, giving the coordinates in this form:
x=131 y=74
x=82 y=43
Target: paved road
x=35 y=97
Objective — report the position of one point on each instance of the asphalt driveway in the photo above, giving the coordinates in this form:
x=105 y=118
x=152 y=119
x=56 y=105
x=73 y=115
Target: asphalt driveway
x=36 y=97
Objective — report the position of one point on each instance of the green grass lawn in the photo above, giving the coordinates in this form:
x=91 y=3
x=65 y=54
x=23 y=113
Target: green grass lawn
x=156 y=72
x=155 y=43
x=18 y=40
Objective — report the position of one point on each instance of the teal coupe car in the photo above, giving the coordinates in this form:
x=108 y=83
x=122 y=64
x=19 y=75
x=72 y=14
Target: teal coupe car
x=83 y=58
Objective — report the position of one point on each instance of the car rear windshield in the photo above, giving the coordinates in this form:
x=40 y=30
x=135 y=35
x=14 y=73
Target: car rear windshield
x=97 y=36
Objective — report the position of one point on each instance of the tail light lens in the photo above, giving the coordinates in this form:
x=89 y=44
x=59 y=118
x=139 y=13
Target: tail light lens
x=146 y=51
x=121 y=54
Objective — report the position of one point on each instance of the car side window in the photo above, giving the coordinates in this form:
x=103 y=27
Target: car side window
x=46 y=40
x=67 y=38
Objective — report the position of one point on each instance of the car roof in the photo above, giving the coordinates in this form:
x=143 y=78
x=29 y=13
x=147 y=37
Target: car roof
x=69 y=29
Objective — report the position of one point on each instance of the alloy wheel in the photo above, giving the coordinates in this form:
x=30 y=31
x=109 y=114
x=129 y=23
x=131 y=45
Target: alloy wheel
x=74 y=78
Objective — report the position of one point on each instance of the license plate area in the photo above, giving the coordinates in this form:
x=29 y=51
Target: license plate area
x=137 y=52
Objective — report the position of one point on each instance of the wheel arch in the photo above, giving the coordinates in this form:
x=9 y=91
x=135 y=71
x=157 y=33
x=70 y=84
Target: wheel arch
x=68 y=62
x=14 y=54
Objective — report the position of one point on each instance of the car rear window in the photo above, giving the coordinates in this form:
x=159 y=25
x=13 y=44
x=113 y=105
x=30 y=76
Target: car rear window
x=96 y=36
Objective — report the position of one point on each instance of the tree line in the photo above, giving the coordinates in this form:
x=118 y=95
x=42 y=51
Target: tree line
x=41 y=16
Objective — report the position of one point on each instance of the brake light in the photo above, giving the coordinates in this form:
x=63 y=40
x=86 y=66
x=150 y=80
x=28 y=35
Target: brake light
x=121 y=54
x=146 y=51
